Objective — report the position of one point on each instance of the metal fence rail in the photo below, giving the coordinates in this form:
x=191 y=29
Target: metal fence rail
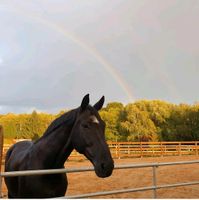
x=154 y=186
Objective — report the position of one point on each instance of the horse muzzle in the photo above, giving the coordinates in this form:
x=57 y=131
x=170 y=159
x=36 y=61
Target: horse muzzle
x=104 y=169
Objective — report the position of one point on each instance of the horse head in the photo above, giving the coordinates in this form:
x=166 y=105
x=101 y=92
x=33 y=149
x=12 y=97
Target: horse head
x=88 y=137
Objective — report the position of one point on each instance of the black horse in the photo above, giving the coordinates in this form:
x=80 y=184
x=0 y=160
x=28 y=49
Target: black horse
x=81 y=129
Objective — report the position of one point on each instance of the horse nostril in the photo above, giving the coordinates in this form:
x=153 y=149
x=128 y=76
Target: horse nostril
x=102 y=166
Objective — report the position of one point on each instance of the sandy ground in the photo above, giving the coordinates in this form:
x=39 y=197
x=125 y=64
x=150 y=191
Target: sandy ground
x=86 y=182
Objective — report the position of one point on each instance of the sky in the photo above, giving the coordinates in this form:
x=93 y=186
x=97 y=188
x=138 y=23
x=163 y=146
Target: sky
x=53 y=52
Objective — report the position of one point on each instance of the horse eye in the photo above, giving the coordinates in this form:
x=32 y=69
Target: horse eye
x=85 y=126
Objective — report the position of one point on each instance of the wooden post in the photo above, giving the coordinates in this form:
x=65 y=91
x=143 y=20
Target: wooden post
x=116 y=150
x=196 y=148
x=128 y=150
x=179 y=148
x=153 y=149
x=1 y=155
x=165 y=150
x=141 y=152
x=119 y=150
x=161 y=150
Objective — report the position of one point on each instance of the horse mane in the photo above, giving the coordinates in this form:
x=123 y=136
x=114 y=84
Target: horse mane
x=67 y=118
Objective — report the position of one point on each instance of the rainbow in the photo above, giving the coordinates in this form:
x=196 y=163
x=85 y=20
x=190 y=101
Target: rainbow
x=91 y=50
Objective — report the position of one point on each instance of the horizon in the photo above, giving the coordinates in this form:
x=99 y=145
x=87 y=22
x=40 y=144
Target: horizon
x=105 y=105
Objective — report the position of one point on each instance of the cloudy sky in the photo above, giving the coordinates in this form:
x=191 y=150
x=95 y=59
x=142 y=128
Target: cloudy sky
x=53 y=52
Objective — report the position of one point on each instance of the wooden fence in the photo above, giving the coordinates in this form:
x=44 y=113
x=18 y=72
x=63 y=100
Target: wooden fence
x=142 y=149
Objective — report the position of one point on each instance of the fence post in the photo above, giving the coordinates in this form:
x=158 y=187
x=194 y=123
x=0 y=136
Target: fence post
x=118 y=150
x=179 y=149
x=153 y=149
x=1 y=154
x=141 y=150
x=196 y=147
x=128 y=150
x=154 y=182
x=161 y=150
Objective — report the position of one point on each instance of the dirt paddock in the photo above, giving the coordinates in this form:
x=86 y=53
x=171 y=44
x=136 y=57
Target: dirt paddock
x=86 y=182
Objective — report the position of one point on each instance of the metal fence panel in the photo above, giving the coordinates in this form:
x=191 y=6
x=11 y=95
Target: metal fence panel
x=154 y=186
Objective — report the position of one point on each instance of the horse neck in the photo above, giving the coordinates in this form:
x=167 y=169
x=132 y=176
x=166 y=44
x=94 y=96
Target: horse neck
x=55 y=147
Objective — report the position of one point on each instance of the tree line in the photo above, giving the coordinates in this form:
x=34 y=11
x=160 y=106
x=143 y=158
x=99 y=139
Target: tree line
x=144 y=120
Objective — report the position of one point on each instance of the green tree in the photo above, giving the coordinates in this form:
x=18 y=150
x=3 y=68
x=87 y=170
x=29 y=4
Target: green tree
x=137 y=125
x=111 y=115
x=32 y=126
x=9 y=124
x=158 y=111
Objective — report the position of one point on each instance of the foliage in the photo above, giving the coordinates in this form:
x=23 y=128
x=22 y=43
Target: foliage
x=24 y=125
x=111 y=115
x=142 y=120
x=137 y=125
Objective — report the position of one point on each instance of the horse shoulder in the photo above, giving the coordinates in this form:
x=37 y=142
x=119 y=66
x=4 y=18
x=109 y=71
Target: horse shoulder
x=17 y=155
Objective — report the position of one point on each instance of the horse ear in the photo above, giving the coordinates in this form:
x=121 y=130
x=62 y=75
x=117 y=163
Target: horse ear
x=99 y=104
x=85 y=102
